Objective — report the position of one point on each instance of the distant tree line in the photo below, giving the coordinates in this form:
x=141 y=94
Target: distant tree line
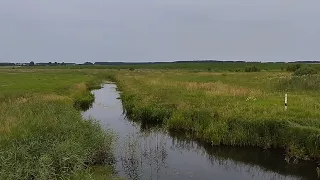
x=7 y=64
x=32 y=63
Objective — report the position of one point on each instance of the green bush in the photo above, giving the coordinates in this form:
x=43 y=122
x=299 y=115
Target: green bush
x=307 y=70
x=293 y=67
x=252 y=69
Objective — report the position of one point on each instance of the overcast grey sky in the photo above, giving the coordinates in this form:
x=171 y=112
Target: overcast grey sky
x=159 y=30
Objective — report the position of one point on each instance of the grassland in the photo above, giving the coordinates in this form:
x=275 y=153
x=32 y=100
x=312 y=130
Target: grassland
x=44 y=137
x=230 y=108
x=42 y=134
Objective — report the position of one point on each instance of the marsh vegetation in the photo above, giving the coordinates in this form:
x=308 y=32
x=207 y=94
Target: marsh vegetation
x=43 y=135
x=238 y=109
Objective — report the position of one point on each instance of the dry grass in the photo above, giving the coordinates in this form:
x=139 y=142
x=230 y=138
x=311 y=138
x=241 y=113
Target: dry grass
x=219 y=88
x=81 y=87
x=8 y=124
x=55 y=97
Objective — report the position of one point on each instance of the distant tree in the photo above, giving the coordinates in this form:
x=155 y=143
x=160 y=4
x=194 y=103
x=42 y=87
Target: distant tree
x=7 y=64
x=50 y=63
x=55 y=63
x=31 y=63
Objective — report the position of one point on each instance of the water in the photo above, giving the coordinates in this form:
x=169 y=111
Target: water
x=155 y=154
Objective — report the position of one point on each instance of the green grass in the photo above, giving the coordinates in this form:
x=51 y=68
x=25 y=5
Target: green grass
x=42 y=134
x=238 y=109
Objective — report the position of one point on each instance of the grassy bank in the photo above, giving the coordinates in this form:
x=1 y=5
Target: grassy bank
x=231 y=108
x=42 y=134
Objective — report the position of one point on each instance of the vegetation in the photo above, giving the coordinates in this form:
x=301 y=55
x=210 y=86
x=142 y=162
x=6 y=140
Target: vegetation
x=238 y=109
x=293 y=67
x=42 y=135
x=307 y=70
x=252 y=69
x=192 y=66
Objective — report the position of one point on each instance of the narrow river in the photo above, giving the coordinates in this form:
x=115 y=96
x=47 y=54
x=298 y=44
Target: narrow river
x=156 y=154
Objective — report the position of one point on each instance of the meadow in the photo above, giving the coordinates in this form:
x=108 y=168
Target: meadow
x=42 y=133
x=43 y=136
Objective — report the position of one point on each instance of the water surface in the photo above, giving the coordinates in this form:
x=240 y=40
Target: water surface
x=156 y=154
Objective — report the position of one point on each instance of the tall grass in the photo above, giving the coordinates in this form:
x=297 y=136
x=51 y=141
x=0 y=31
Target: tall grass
x=299 y=83
x=43 y=135
x=47 y=139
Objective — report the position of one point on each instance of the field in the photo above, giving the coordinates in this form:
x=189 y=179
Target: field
x=42 y=134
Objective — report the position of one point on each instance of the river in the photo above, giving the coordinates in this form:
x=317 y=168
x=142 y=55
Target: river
x=156 y=154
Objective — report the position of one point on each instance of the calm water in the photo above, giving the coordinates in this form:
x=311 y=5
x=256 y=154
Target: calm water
x=155 y=154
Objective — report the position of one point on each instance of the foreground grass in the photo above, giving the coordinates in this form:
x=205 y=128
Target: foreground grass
x=239 y=109
x=42 y=134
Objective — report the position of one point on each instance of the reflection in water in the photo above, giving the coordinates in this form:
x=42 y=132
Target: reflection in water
x=145 y=152
x=236 y=158
x=130 y=159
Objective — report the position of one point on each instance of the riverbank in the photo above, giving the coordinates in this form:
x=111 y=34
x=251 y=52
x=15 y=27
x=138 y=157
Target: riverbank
x=42 y=134
x=144 y=152
x=237 y=109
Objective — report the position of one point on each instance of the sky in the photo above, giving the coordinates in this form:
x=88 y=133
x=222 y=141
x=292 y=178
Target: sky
x=158 y=30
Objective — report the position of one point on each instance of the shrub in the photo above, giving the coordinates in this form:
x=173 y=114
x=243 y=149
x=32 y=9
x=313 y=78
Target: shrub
x=252 y=69
x=293 y=67
x=308 y=70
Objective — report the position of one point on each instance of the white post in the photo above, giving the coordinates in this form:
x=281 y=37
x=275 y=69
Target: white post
x=286 y=102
